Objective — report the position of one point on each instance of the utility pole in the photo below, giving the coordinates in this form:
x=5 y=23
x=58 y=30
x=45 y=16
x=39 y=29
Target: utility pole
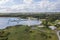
x=29 y=21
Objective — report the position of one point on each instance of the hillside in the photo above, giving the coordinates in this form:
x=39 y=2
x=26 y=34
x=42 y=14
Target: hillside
x=20 y=32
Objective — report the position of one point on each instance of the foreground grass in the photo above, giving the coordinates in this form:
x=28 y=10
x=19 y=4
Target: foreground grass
x=26 y=33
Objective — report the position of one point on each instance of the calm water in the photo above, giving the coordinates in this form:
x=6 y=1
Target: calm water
x=11 y=21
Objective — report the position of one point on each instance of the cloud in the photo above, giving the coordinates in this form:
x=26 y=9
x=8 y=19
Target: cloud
x=17 y=7
x=29 y=6
x=28 y=1
x=3 y=1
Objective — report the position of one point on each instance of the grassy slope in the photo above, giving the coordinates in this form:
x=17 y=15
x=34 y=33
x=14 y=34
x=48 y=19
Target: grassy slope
x=20 y=33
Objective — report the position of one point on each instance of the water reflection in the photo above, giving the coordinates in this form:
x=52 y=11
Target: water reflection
x=10 y=21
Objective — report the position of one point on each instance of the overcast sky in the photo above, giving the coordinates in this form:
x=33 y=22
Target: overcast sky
x=29 y=6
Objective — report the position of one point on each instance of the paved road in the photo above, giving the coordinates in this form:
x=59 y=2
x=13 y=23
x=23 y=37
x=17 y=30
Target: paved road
x=58 y=34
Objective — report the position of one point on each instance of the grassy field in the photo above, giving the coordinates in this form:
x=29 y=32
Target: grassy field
x=26 y=33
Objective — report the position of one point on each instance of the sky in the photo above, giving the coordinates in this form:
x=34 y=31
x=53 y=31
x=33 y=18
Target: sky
x=7 y=6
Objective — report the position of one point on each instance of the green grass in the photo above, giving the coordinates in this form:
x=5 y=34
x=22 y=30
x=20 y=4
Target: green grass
x=26 y=33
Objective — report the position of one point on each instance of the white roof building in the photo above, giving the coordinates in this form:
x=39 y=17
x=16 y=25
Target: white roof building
x=52 y=27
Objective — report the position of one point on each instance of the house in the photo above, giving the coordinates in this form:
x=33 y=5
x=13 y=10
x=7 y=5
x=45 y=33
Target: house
x=40 y=26
x=52 y=27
